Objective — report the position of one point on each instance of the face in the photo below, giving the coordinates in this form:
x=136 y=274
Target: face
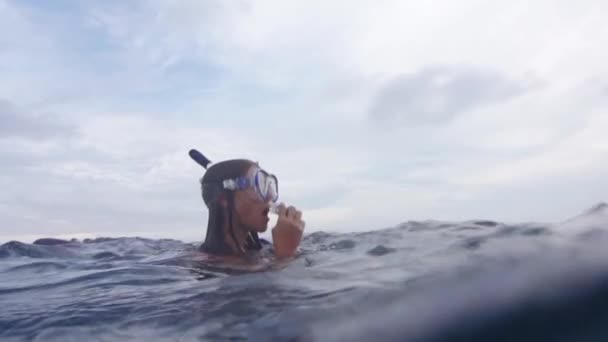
x=251 y=209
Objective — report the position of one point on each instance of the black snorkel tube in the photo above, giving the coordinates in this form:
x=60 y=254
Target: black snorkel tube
x=199 y=158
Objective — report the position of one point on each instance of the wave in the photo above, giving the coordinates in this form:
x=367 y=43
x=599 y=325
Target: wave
x=417 y=281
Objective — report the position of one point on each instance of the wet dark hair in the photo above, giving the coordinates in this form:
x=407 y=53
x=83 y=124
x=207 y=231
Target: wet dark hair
x=211 y=189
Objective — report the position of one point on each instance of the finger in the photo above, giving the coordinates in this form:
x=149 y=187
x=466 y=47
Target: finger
x=291 y=211
x=281 y=209
x=303 y=224
x=298 y=215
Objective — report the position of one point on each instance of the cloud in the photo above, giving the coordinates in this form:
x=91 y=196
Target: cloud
x=115 y=175
x=436 y=95
x=369 y=113
x=15 y=123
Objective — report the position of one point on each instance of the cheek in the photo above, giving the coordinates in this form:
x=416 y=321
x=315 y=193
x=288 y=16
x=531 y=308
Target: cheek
x=248 y=210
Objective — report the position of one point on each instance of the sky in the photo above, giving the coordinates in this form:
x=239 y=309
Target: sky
x=371 y=113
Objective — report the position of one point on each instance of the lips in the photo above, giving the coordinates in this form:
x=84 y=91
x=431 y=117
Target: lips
x=265 y=213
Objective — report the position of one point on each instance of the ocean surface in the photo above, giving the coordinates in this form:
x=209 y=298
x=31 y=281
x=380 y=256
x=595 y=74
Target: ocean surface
x=418 y=281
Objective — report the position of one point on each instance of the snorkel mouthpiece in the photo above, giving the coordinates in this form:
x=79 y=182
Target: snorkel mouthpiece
x=274 y=208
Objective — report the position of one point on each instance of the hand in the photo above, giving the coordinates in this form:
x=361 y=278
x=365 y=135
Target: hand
x=287 y=233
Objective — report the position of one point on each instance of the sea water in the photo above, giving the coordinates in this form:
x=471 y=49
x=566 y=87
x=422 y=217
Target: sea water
x=476 y=280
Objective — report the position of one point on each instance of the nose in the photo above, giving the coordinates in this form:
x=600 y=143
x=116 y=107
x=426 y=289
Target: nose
x=267 y=199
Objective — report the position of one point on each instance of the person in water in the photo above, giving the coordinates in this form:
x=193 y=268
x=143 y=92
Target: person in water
x=239 y=195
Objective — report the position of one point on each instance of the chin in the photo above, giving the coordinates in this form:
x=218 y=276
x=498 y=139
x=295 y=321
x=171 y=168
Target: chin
x=262 y=229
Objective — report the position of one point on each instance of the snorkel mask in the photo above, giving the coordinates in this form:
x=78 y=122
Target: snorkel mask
x=266 y=185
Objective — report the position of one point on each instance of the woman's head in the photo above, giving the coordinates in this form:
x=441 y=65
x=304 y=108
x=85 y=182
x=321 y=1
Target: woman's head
x=239 y=209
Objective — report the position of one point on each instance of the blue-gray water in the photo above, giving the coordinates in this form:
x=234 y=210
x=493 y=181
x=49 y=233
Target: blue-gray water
x=418 y=281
